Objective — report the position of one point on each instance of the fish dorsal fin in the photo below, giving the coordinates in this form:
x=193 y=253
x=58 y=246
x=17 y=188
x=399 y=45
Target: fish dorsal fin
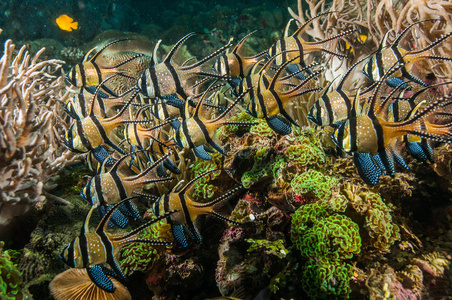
x=191 y=182
x=86 y=222
x=355 y=105
x=416 y=109
x=115 y=166
x=303 y=27
x=151 y=167
x=176 y=47
x=286 y=30
x=349 y=70
x=279 y=71
x=382 y=109
x=384 y=41
x=85 y=57
x=254 y=70
x=106 y=46
x=239 y=45
x=123 y=109
x=154 y=53
x=230 y=107
x=396 y=42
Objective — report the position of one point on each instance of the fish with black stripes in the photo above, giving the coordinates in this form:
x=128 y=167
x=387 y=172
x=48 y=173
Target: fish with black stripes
x=183 y=221
x=91 y=250
x=170 y=78
x=294 y=46
x=196 y=133
x=234 y=63
x=385 y=57
x=125 y=65
x=271 y=96
x=87 y=133
x=369 y=134
x=108 y=188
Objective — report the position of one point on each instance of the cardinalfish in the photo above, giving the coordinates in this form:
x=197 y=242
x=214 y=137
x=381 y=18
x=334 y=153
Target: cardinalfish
x=271 y=99
x=91 y=249
x=183 y=220
x=90 y=73
x=169 y=78
x=196 y=133
x=296 y=47
x=150 y=139
x=89 y=132
x=111 y=187
x=234 y=63
x=385 y=57
x=66 y=23
x=334 y=106
x=371 y=133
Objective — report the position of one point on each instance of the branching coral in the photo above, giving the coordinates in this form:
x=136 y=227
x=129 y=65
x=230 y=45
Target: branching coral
x=30 y=102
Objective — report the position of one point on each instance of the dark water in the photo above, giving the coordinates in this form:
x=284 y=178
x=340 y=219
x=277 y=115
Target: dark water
x=30 y=20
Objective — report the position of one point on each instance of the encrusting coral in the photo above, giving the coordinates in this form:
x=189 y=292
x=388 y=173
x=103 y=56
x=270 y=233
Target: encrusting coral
x=30 y=126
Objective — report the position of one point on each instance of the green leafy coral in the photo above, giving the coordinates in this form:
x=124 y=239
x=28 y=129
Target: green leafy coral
x=314 y=183
x=326 y=239
x=202 y=188
x=378 y=220
x=305 y=150
x=10 y=281
x=142 y=256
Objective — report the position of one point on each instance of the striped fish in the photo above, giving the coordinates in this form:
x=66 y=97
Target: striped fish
x=234 y=64
x=111 y=187
x=385 y=57
x=91 y=249
x=89 y=73
x=271 y=97
x=196 y=132
x=300 y=47
x=169 y=78
x=87 y=133
x=188 y=210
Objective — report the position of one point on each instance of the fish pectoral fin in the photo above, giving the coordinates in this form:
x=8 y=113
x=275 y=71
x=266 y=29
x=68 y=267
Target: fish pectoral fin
x=368 y=169
x=179 y=235
x=279 y=125
x=99 y=278
x=201 y=153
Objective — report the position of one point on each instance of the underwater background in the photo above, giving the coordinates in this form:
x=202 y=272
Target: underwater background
x=273 y=200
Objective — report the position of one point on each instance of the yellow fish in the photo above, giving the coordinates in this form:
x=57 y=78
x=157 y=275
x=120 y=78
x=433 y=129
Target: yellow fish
x=66 y=23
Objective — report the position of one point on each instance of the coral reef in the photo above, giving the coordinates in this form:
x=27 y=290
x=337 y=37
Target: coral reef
x=10 y=281
x=31 y=126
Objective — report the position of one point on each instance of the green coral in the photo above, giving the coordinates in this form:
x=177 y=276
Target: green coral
x=326 y=239
x=142 y=256
x=10 y=281
x=202 y=188
x=242 y=116
x=262 y=129
x=259 y=170
x=315 y=183
x=305 y=149
x=276 y=248
x=378 y=220
x=329 y=281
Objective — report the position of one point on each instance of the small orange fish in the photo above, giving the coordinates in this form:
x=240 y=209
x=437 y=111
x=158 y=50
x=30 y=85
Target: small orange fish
x=66 y=23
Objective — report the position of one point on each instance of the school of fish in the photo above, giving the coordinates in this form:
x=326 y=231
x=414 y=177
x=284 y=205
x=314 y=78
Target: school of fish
x=139 y=120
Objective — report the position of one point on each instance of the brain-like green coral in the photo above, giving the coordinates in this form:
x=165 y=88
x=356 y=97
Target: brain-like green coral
x=202 y=188
x=326 y=239
x=10 y=282
x=262 y=129
x=305 y=151
x=141 y=256
x=329 y=281
x=378 y=220
x=314 y=183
